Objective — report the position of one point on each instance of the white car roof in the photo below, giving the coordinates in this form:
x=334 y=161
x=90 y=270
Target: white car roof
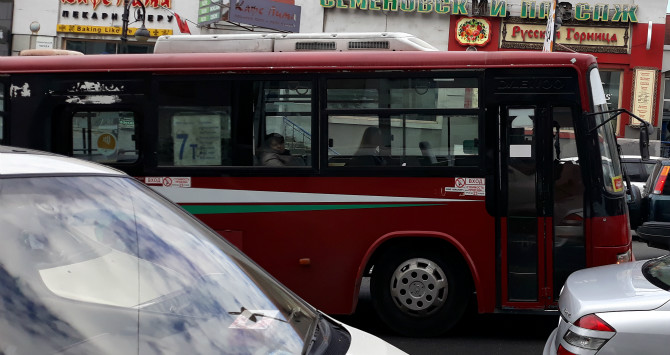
x=18 y=161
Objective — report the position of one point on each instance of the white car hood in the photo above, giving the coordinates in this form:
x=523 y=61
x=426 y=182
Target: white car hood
x=609 y=289
x=363 y=343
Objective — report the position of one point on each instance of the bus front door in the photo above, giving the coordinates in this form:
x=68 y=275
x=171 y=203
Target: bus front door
x=541 y=229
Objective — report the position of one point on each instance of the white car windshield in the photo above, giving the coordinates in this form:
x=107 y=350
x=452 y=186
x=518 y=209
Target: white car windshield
x=102 y=265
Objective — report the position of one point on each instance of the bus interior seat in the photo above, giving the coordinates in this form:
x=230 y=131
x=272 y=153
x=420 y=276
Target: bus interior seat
x=470 y=146
x=428 y=154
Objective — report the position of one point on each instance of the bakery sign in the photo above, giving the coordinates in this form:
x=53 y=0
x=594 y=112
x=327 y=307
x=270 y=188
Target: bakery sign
x=100 y=16
x=597 y=39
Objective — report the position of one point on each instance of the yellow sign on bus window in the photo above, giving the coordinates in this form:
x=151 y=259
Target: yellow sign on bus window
x=617 y=183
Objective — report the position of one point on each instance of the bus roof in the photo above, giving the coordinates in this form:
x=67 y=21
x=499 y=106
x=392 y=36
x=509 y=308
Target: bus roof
x=291 y=42
x=290 y=62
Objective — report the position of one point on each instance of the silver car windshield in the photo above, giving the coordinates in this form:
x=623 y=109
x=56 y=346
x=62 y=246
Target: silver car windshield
x=102 y=265
x=657 y=271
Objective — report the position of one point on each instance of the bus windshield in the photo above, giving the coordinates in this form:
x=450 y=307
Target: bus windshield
x=611 y=167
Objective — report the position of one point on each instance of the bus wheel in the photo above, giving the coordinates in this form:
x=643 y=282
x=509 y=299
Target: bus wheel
x=420 y=293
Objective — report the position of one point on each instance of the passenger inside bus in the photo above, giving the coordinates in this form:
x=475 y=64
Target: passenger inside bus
x=274 y=153
x=368 y=152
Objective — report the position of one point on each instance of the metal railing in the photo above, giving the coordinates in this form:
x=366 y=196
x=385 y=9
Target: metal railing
x=293 y=134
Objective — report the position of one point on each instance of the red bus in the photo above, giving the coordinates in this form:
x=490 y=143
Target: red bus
x=445 y=177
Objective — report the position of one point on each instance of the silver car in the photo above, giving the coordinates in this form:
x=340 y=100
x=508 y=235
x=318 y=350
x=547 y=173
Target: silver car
x=94 y=262
x=615 y=309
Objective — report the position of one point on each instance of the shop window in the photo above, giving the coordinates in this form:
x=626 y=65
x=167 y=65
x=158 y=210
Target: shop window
x=93 y=47
x=611 y=80
x=666 y=98
x=665 y=123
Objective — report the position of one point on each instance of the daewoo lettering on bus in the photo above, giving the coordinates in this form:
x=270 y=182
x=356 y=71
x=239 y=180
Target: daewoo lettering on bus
x=345 y=158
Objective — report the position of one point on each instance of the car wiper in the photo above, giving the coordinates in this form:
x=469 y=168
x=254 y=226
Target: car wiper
x=253 y=316
x=316 y=334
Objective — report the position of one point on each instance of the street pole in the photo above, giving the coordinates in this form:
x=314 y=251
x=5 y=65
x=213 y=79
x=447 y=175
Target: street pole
x=142 y=34
x=124 y=27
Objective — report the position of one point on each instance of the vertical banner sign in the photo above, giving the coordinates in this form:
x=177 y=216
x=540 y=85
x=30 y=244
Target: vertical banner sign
x=644 y=95
x=550 y=33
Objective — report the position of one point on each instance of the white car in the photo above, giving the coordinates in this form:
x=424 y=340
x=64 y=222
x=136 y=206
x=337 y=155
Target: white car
x=94 y=262
x=615 y=309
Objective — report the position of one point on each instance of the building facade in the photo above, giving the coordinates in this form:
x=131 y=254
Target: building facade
x=95 y=26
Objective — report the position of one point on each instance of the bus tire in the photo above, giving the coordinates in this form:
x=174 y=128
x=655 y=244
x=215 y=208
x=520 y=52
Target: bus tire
x=419 y=293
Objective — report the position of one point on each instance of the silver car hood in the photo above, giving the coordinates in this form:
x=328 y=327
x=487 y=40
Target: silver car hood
x=609 y=289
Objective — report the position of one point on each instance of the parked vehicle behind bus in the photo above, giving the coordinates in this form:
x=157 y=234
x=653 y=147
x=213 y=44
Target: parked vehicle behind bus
x=485 y=177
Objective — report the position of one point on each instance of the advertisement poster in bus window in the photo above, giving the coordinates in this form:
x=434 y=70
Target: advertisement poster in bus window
x=197 y=139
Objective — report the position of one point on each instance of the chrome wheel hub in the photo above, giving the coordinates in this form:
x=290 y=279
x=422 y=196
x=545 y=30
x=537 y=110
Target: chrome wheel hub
x=419 y=287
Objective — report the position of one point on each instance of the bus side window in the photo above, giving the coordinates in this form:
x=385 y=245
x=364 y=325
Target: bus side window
x=194 y=123
x=283 y=123
x=104 y=136
x=410 y=132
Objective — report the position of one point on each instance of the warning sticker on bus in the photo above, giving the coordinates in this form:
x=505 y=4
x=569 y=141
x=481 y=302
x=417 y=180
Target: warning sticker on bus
x=168 y=181
x=617 y=183
x=468 y=186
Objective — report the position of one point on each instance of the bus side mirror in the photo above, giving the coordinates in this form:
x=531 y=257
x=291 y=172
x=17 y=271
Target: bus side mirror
x=645 y=131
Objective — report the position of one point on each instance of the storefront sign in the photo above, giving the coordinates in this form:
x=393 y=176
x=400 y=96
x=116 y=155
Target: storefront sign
x=644 y=95
x=583 y=12
x=473 y=31
x=105 y=12
x=95 y=3
x=267 y=14
x=210 y=11
x=108 y=30
x=519 y=34
x=497 y=8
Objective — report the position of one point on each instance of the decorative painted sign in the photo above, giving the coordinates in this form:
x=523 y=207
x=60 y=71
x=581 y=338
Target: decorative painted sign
x=644 y=95
x=473 y=31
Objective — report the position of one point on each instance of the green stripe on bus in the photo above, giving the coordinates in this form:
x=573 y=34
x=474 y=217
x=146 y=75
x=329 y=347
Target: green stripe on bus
x=214 y=209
